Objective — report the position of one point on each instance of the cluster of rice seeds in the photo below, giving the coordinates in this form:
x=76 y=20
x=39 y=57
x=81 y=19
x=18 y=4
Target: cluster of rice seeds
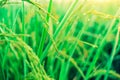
x=16 y=54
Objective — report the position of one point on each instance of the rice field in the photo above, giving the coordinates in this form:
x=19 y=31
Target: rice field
x=59 y=39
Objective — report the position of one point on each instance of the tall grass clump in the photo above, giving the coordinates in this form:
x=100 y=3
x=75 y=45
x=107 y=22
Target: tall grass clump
x=59 y=40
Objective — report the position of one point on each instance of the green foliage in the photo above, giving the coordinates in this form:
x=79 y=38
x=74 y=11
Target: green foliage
x=46 y=40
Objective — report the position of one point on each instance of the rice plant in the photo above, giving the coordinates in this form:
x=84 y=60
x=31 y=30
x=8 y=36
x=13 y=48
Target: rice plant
x=59 y=40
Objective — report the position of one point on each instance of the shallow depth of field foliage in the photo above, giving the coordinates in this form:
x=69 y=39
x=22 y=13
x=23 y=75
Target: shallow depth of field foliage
x=59 y=39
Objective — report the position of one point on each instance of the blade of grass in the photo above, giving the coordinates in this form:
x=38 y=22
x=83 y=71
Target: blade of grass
x=100 y=47
x=23 y=32
x=72 y=49
x=92 y=49
x=112 y=55
x=64 y=20
x=23 y=26
x=44 y=33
